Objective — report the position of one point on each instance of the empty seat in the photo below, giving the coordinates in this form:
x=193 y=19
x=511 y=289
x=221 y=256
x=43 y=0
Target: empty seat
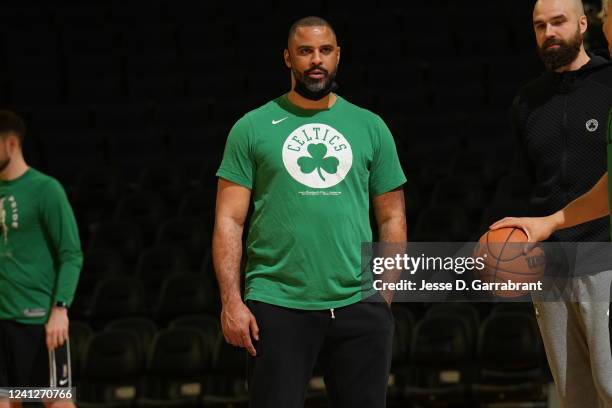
x=145 y=208
x=79 y=333
x=510 y=355
x=99 y=264
x=95 y=193
x=158 y=262
x=125 y=237
x=58 y=149
x=461 y=311
x=144 y=328
x=112 y=366
x=117 y=297
x=131 y=150
x=178 y=362
x=207 y=324
x=441 y=357
x=190 y=234
x=227 y=384
x=402 y=338
x=197 y=204
x=168 y=179
x=185 y=293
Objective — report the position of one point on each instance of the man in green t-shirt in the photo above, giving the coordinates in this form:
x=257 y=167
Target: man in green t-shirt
x=40 y=263
x=311 y=162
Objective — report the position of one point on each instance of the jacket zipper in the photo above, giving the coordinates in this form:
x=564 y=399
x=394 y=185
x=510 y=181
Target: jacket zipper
x=564 y=156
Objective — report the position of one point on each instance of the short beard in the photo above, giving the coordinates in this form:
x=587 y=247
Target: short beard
x=314 y=89
x=567 y=52
x=4 y=164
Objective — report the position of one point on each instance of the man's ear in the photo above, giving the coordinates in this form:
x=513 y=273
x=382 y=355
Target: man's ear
x=338 y=60
x=584 y=24
x=286 y=58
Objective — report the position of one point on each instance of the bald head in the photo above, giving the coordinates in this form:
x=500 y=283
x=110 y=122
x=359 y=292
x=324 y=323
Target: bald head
x=573 y=7
x=310 y=21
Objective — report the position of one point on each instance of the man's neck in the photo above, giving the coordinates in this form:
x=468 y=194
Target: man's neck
x=324 y=103
x=580 y=61
x=14 y=171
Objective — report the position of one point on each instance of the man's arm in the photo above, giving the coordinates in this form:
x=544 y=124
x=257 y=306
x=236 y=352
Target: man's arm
x=237 y=320
x=390 y=212
x=588 y=207
x=61 y=226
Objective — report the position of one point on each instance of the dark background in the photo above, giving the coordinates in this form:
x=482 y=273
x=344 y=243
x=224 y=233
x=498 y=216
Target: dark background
x=129 y=104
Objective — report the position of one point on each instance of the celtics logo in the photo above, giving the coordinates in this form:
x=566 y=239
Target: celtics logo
x=317 y=155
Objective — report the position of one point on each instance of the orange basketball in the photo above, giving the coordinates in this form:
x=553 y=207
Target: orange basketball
x=504 y=260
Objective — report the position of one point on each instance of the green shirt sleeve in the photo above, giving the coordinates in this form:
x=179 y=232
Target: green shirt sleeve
x=61 y=228
x=237 y=165
x=386 y=171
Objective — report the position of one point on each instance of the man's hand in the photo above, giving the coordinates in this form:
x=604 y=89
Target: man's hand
x=57 y=327
x=537 y=228
x=238 y=323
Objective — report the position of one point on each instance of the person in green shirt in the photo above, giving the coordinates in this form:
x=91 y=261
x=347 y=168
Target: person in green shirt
x=311 y=162
x=40 y=263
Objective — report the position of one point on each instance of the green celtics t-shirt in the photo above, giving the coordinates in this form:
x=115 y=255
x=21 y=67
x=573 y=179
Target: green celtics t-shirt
x=311 y=173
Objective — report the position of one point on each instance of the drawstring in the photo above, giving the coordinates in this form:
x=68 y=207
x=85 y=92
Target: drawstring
x=332 y=313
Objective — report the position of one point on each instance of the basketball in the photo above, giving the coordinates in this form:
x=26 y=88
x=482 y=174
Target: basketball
x=504 y=261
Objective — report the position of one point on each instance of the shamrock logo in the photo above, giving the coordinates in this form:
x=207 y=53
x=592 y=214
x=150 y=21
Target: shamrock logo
x=318 y=161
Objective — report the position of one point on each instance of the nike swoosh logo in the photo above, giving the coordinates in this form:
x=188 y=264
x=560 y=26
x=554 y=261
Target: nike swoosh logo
x=276 y=122
x=63 y=382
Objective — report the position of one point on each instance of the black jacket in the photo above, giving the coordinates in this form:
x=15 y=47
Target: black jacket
x=560 y=121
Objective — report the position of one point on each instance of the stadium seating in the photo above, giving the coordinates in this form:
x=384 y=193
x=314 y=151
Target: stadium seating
x=146 y=94
x=509 y=355
x=178 y=362
x=441 y=356
x=112 y=365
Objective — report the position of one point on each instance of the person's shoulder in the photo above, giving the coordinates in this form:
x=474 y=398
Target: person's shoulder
x=263 y=111
x=44 y=182
x=535 y=87
x=359 y=111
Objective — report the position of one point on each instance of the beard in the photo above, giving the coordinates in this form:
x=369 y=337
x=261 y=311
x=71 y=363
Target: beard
x=4 y=164
x=315 y=89
x=566 y=53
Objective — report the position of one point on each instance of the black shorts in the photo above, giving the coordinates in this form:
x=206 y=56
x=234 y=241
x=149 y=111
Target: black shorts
x=25 y=360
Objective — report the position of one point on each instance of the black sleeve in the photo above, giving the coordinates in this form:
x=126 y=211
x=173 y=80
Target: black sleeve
x=523 y=163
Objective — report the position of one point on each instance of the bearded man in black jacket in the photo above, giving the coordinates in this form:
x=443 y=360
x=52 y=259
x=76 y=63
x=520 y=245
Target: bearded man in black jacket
x=560 y=119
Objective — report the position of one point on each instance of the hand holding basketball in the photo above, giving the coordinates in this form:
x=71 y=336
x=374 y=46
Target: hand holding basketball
x=537 y=228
